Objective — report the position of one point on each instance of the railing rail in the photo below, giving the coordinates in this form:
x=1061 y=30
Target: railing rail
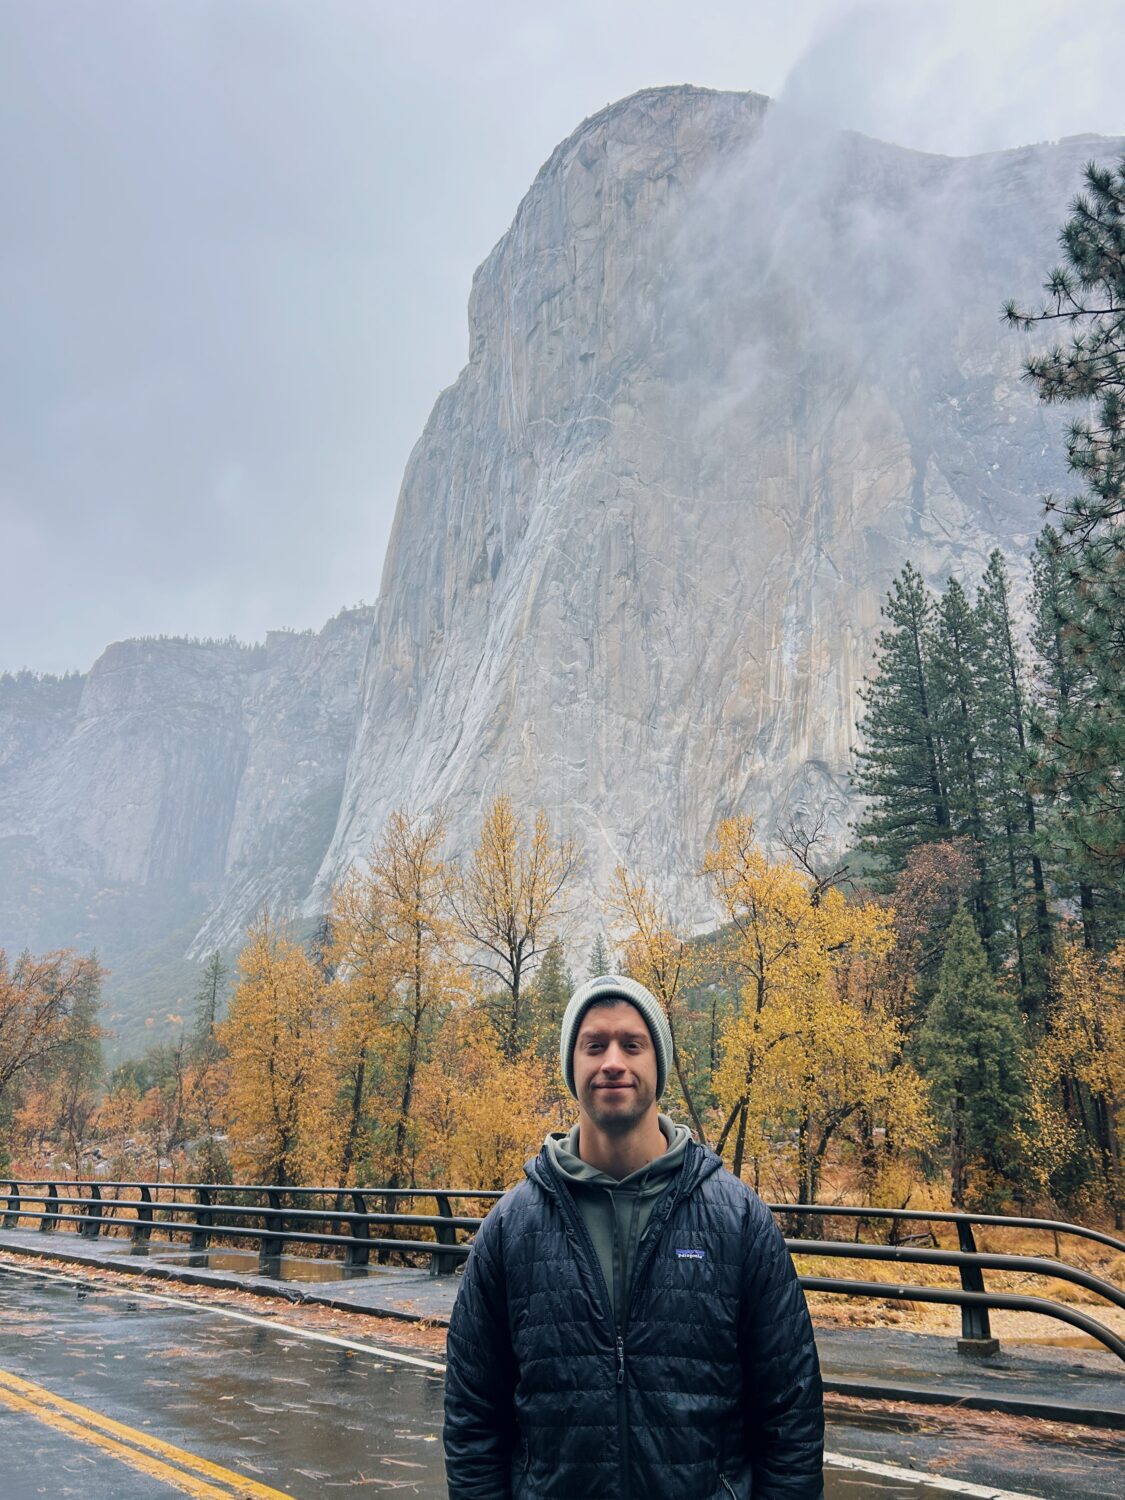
x=292 y=1216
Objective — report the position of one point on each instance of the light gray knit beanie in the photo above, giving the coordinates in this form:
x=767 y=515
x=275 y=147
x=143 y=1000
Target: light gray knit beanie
x=616 y=987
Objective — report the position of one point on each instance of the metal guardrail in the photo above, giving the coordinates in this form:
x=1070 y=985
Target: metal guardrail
x=287 y=1216
x=93 y=1207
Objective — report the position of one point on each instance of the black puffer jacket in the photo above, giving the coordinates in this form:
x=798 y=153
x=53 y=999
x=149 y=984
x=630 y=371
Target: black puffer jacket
x=709 y=1389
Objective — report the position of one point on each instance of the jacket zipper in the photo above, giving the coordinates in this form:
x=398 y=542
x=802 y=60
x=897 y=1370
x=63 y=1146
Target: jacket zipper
x=727 y=1486
x=594 y=1267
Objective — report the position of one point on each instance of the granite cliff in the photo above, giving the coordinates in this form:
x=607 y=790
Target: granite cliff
x=726 y=372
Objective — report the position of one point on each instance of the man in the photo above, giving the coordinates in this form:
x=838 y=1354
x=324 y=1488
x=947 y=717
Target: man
x=629 y=1326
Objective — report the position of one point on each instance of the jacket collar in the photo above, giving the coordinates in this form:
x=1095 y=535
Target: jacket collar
x=699 y=1163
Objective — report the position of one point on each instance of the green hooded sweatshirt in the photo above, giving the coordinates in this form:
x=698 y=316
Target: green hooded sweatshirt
x=617 y=1212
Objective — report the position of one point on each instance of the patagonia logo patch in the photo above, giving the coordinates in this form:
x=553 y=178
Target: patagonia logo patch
x=690 y=1254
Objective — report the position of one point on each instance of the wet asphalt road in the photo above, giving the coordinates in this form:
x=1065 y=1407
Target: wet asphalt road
x=310 y=1419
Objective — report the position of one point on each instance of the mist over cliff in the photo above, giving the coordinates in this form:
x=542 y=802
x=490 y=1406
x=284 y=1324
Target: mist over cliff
x=727 y=371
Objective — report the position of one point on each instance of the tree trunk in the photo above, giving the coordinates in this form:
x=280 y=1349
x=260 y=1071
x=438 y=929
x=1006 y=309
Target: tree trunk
x=1089 y=918
x=721 y=1142
x=957 y=1151
x=510 y=1042
x=354 y=1111
x=740 y=1139
x=868 y=1154
x=697 y=1123
x=1015 y=885
x=1110 y=1153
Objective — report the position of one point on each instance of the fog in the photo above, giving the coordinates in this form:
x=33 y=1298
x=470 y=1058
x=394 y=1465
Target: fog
x=239 y=238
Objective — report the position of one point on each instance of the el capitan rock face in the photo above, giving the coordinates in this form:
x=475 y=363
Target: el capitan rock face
x=726 y=373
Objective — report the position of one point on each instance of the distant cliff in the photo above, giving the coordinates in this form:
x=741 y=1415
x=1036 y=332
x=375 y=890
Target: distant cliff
x=726 y=373
x=173 y=777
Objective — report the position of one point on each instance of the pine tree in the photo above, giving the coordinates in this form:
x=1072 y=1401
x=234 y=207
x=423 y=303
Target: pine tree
x=1081 y=759
x=1064 y=692
x=209 y=999
x=956 y=650
x=899 y=768
x=1010 y=808
x=972 y=1050
x=553 y=988
x=599 y=962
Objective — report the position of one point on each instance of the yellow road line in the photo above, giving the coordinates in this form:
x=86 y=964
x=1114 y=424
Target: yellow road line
x=176 y=1478
x=175 y=1466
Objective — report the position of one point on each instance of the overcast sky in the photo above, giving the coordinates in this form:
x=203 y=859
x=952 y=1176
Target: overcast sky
x=238 y=238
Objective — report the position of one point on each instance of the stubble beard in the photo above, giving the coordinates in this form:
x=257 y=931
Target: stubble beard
x=617 y=1121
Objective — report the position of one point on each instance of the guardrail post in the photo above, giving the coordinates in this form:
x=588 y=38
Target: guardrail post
x=91 y=1224
x=976 y=1339
x=142 y=1229
x=12 y=1212
x=272 y=1241
x=390 y=1206
x=357 y=1256
x=444 y=1265
x=50 y=1206
x=200 y=1230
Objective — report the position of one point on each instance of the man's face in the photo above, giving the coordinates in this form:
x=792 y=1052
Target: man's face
x=615 y=1067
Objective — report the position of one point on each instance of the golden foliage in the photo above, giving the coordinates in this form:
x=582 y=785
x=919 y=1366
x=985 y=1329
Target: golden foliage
x=42 y=1010
x=509 y=904
x=480 y=1115
x=664 y=961
x=797 y=1048
x=1082 y=1048
x=393 y=949
x=280 y=1037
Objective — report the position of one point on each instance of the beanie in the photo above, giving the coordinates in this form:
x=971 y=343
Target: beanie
x=616 y=987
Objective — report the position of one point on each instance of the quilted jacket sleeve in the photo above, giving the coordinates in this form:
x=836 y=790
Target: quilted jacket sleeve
x=480 y=1426
x=781 y=1371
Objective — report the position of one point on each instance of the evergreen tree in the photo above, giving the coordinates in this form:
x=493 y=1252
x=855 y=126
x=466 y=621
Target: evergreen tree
x=1064 y=695
x=209 y=1001
x=972 y=1050
x=1010 y=809
x=553 y=988
x=956 y=649
x=1081 y=759
x=600 y=961
x=899 y=768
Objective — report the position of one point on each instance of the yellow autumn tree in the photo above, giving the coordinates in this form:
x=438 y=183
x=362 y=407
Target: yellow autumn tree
x=48 y=1008
x=394 y=948
x=480 y=1116
x=364 y=985
x=1082 y=1052
x=664 y=961
x=510 y=901
x=791 y=1052
x=279 y=1036
x=892 y=1122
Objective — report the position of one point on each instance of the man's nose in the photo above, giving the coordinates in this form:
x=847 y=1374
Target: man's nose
x=614 y=1060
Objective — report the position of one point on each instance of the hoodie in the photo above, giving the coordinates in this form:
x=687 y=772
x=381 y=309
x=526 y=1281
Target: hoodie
x=617 y=1211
